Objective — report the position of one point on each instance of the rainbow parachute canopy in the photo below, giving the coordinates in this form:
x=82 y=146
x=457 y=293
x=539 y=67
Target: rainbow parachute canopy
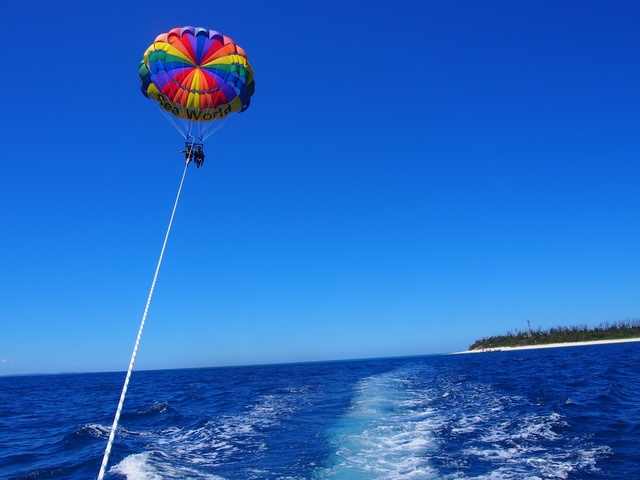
x=197 y=74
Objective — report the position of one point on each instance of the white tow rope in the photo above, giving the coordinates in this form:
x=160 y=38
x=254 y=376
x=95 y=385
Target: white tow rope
x=112 y=434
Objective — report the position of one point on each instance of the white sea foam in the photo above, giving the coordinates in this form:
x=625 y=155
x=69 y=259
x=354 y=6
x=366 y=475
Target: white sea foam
x=517 y=446
x=186 y=452
x=97 y=430
x=386 y=434
x=396 y=431
x=145 y=466
x=136 y=467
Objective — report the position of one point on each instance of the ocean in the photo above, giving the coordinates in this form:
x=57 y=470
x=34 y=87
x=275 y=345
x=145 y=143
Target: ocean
x=561 y=413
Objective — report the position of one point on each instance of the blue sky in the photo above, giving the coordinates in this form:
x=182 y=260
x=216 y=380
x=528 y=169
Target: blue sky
x=410 y=177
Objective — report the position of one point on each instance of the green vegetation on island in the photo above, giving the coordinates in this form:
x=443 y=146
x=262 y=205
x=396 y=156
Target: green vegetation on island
x=624 y=329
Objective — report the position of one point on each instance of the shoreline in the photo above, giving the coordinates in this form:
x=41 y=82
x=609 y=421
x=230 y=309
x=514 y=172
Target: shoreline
x=549 y=345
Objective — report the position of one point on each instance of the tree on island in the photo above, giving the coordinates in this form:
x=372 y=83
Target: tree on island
x=619 y=330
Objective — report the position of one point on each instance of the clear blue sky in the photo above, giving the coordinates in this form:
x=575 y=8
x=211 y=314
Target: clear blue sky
x=410 y=177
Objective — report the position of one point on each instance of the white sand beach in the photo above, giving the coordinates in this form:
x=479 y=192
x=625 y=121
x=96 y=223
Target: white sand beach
x=550 y=345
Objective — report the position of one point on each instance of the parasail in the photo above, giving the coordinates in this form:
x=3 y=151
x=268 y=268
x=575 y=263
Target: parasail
x=196 y=76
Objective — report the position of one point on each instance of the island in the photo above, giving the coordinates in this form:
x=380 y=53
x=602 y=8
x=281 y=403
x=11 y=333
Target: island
x=607 y=332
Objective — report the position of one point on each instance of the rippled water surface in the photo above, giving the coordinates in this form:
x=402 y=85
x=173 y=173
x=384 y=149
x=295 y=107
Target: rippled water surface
x=562 y=413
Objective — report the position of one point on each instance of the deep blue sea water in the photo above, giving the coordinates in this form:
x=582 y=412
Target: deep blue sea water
x=562 y=413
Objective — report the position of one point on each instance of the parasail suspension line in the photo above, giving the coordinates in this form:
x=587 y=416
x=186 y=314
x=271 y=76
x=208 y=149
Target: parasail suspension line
x=182 y=129
x=220 y=123
x=107 y=451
